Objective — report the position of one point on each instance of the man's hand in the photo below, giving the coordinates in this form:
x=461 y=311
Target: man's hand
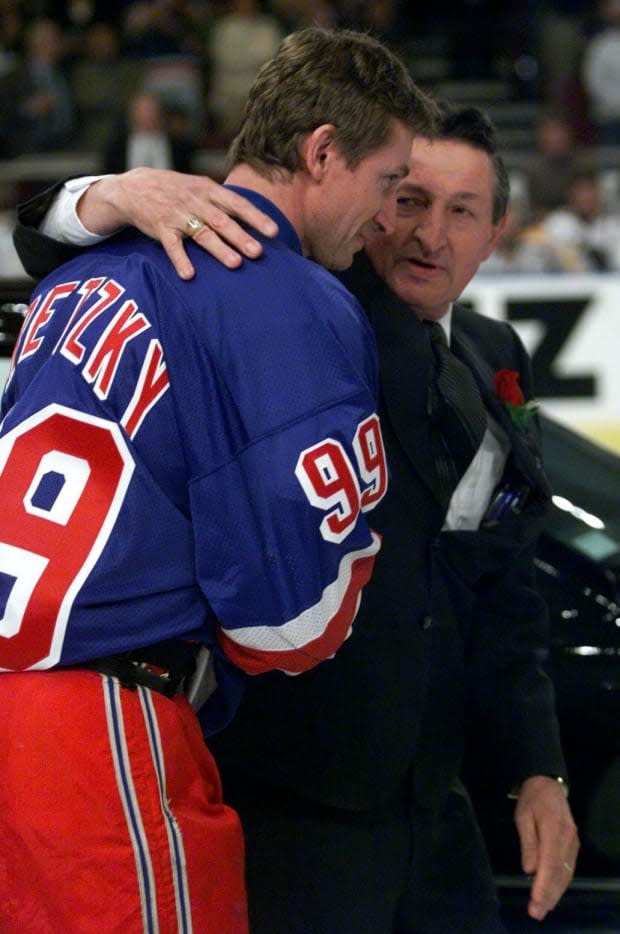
x=159 y=202
x=549 y=841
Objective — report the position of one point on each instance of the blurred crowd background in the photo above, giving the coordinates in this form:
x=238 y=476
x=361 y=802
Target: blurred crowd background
x=87 y=85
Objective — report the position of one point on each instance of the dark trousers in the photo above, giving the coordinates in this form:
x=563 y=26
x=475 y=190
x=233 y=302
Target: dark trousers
x=318 y=870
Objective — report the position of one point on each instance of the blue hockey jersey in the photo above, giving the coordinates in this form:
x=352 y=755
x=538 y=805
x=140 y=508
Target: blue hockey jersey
x=190 y=460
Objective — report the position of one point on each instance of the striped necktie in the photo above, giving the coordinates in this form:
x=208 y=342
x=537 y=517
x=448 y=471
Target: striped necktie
x=455 y=406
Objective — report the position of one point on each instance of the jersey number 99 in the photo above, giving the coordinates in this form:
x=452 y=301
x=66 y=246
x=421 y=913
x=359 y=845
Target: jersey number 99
x=331 y=483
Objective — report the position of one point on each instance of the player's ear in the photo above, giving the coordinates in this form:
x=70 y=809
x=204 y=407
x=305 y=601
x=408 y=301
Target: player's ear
x=318 y=149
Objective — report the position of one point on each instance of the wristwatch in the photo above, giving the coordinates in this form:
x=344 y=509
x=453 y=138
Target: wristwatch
x=515 y=791
x=561 y=781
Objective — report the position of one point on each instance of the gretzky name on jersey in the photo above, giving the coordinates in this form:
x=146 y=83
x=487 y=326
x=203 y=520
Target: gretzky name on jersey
x=99 y=365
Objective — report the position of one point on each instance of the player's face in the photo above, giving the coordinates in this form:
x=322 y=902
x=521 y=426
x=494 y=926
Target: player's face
x=444 y=226
x=354 y=205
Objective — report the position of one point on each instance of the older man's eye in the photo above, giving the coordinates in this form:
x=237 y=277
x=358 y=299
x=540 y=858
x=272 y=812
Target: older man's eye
x=410 y=202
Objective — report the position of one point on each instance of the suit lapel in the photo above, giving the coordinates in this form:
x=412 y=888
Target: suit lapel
x=466 y=350
x=406 y=370
x=405 y=366
x=525 y=443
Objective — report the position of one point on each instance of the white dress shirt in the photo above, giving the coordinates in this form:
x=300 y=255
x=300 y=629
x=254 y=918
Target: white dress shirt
x=62 y=222
x=472 y=496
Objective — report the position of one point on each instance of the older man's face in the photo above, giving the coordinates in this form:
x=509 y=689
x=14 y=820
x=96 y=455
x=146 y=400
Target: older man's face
x=444 y=226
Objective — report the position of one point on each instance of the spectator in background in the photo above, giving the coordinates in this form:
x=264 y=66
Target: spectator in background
x=10 y=33
x=155 y=28
x=584 y=225
x=526 y=248
x=102 y=84
x=147 y=139
x=11 y=27
x=601 y=74
x=240 y=41
x=550 y=170
x=38 y=112
x=295 y=14
x=559 y=28
x=167 y=37
x=380 y=17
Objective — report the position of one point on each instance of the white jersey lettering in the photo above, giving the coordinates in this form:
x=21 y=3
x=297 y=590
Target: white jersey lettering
x=152 y=384
x=69 y=345
x=103 y=362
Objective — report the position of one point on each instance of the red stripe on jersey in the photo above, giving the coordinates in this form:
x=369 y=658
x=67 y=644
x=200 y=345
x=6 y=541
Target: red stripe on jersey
x=296 y=659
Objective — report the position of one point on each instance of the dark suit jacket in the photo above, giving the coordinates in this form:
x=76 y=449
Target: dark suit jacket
x=450 y=627
x=38 y=253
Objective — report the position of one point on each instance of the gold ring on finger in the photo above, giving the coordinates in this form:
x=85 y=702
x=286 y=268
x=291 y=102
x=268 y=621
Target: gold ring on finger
x=193 y=225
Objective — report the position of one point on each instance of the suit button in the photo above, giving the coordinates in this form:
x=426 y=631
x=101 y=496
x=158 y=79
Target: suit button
x=427 y=622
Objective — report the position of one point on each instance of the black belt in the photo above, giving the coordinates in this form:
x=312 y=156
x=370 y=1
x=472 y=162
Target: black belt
x=163 y=667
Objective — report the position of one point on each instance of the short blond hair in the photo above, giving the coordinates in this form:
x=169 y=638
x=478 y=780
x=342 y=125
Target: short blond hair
x=320 y=76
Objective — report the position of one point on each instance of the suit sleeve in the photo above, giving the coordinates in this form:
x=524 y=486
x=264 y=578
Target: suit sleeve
x=512 y=694
x=39 y=254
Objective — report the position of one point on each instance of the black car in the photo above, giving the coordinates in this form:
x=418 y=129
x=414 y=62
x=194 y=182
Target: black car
x=578 y=566
x=579 y=573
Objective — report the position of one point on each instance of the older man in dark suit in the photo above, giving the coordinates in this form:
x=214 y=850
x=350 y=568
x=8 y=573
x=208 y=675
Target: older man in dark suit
x=347 y=778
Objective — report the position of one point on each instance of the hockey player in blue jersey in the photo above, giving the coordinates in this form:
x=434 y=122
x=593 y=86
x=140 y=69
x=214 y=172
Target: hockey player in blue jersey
x=203 y=483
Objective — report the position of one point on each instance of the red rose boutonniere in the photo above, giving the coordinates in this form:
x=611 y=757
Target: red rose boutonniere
x=510 y=393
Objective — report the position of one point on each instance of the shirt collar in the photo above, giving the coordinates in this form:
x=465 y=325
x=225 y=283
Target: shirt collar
x=286 y=232
x=446 y=323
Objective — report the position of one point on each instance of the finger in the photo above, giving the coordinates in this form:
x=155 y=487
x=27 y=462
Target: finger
x=554 y=875
x=542 y=893
x=226 y=233
x=236 y=205
x=528 y=836
x=548 y=887
x=211 y=241
x=222 y=238
x=172 y=243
